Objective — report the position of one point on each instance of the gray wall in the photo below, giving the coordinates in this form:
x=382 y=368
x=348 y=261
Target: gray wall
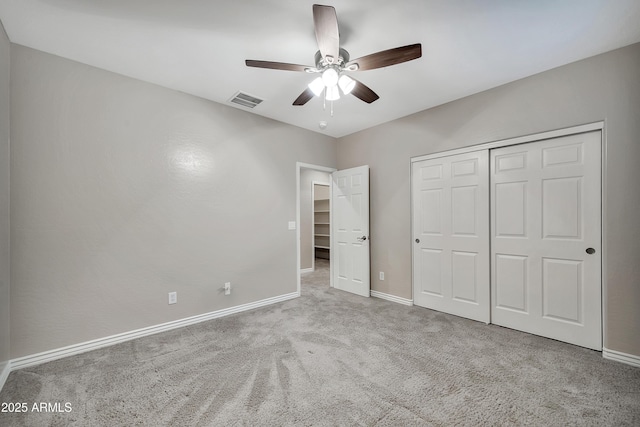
x=123 y=191
x=605 y=87
x=307 y=176
x=4 y=198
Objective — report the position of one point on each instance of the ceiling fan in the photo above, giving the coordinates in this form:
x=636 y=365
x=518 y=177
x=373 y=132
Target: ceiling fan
x=332 y=62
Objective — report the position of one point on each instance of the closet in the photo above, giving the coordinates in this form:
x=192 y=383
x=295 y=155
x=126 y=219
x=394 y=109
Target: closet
x=511 y=235
x=321 y=221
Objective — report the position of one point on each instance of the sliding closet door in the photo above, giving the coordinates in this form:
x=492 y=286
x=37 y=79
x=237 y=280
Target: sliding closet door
x=546 y=238
x=450 y=198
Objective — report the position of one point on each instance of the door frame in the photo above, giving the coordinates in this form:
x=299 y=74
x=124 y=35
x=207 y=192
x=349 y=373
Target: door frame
x=299 y=166
x=589 y=127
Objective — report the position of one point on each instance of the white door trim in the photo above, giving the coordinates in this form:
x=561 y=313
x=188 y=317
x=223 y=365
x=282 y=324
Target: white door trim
x=600 y=125
x=299 y=166
x=513 y=141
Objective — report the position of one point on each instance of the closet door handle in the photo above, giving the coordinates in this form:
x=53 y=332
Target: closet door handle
x=591 y=251
x=417 y=240
x=361 y=239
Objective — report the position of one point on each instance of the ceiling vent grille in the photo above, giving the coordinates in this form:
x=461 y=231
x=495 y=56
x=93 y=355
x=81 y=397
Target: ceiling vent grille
x=246 y=100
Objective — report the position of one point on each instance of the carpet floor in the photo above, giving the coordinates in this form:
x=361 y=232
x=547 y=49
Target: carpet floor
x=331 y=358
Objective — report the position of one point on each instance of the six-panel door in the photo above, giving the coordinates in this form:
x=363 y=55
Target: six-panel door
x=546 y=238
x=451 y=235
x=350 y=230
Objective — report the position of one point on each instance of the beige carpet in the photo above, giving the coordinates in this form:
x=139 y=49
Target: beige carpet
x=331 y=358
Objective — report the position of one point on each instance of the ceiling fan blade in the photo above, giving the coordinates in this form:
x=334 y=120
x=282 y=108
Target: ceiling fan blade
x=277 y=65
x=327 y=34
x=364 y=93
x=304 y=97
x=388 y=57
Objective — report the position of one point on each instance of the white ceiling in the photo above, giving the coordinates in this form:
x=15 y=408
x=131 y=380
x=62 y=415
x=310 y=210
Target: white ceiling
x=199 y=46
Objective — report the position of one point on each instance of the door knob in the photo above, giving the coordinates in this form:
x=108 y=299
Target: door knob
x=417 y=240
x=591 y=251
x=362 y=239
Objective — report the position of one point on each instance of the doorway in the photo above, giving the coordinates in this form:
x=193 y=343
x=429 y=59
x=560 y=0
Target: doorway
x=321 y=222
x=349 y=240
x=313 y=219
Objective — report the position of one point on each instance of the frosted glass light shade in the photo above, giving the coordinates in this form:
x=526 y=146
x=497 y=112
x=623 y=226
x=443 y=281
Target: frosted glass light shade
x=333 y=94
x=346 y=83
x=330 y=77
x=317 y=86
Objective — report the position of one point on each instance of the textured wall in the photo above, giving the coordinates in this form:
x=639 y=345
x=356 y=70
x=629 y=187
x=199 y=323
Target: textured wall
x=605 y=87
x=123 y=191
x=4 y=198
x=307 y=176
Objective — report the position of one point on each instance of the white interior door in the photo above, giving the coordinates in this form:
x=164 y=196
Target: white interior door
x=546 y=238
x=451 y=234
x=350 y=230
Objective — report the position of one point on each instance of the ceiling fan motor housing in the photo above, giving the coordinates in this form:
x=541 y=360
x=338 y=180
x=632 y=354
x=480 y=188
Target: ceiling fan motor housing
x=343 y=58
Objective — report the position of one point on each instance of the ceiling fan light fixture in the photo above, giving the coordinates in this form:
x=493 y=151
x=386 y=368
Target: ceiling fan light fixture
x=333 y=94
x=317 y=86
x=331 y=61
x=346 y=83
x=330 y=77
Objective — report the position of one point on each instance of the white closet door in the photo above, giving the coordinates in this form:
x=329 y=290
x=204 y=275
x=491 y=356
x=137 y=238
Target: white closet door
x=451 y=234
x=546 y=238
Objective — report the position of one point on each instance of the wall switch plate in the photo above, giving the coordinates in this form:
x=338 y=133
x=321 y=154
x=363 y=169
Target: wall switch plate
x=292 y=225
x=382 y=275
x=227 y=288
x=173 y=297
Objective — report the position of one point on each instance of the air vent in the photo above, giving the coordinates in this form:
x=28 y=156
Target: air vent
x=245 y=100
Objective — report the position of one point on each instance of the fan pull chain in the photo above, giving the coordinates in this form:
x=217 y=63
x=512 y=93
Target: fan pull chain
x=324 y=100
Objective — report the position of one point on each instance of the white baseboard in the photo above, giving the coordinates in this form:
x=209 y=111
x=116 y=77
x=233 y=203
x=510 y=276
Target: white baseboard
x=618 y=356
x=306 y=270
x=392 y=298
x=4 y=373
x=48 y=356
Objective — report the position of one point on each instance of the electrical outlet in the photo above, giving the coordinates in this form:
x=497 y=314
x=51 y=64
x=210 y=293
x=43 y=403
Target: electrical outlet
x=173 y=297
x=227 y=288
x=382 y=275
